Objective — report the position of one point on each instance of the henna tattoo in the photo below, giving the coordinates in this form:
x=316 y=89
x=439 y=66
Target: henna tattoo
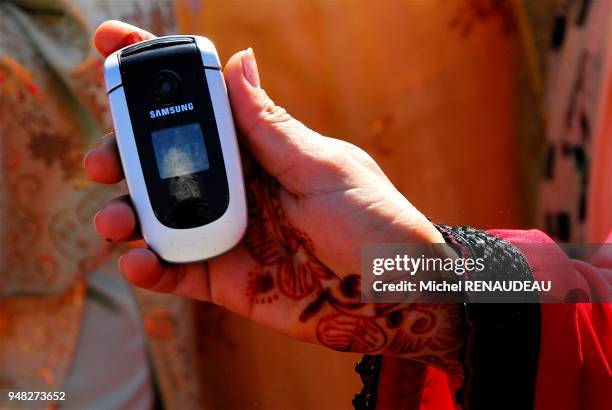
x=430 y=329
x=314 y=266
x=262 y=246
x=263 y=283
x=404 y=343
x=394 y=319
x=351 y=333
x=314 y=307
x=260 y=288
x=287 y=267
x=424 y=324
x=278 y=249
x=295 y=281
x=349 y=286
x=303 y=237
x=263 y=238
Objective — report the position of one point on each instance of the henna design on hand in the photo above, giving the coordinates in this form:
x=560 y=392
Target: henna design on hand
x=289 y=270
x=295 y=280
x=426 y=330
x=351 y=333
x=260 y=288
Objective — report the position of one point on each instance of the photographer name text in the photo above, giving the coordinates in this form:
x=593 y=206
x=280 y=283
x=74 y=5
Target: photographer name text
x=463 y=286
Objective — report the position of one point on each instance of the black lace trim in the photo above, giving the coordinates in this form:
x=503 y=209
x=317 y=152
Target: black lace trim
x=368 y=369
x=501 y=350
x=503 y=261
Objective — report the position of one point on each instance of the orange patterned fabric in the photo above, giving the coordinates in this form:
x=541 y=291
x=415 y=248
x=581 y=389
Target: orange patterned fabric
x=52 y=109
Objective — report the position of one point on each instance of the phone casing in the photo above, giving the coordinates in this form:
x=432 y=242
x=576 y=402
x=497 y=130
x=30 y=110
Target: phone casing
x=183 y=217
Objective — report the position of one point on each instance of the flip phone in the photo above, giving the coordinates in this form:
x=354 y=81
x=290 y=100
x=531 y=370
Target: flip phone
x=178 y=147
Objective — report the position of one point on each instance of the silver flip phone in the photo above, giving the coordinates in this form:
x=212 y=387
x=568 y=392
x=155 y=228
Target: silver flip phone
x=178 y=147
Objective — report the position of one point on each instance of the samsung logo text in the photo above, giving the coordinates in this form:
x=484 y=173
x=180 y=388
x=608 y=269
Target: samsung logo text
x=162 y=112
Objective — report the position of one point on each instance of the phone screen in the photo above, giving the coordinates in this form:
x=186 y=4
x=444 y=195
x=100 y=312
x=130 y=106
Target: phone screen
x=180 y=150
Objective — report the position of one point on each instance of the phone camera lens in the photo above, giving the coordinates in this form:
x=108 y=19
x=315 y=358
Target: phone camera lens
x=166 y=85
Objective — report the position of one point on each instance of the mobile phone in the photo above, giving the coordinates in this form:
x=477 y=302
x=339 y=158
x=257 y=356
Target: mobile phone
x=178 y=147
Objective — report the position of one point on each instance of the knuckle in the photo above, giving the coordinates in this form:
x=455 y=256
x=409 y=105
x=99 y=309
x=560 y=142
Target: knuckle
x=361 y=155
x=274 y=114
x=356 y=155
x=333 y=158
x=269 y=115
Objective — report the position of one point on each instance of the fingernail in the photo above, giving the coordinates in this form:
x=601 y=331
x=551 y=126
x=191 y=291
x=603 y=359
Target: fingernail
x=99 y=143
x=95 y=223
x=249 y=67
x=85 y=160
x=129 y=39
x=95 y=220
x=103 y=140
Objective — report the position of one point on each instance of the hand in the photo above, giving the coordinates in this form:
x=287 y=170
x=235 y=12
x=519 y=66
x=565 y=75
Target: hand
x=313 y=201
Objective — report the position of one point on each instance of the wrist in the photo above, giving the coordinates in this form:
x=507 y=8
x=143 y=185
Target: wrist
x=431 y=334
x=422 y=228
x=431 y=233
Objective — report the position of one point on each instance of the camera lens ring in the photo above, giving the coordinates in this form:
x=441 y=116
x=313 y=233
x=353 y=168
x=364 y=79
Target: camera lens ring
x=166 y=85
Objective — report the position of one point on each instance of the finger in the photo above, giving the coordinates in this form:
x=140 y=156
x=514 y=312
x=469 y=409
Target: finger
x=282 y=145
x=103 y=164
x=233 y=281
x=225 y=286
x=112 y=35
x=117 y=222
x=144 y=269
x=141 y=267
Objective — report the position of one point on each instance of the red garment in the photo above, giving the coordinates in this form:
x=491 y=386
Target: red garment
x=574 y=369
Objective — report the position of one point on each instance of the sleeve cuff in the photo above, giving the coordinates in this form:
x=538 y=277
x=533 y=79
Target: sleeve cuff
x=503 y=340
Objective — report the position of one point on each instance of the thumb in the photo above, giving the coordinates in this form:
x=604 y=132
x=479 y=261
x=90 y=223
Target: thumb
x=283 y=146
